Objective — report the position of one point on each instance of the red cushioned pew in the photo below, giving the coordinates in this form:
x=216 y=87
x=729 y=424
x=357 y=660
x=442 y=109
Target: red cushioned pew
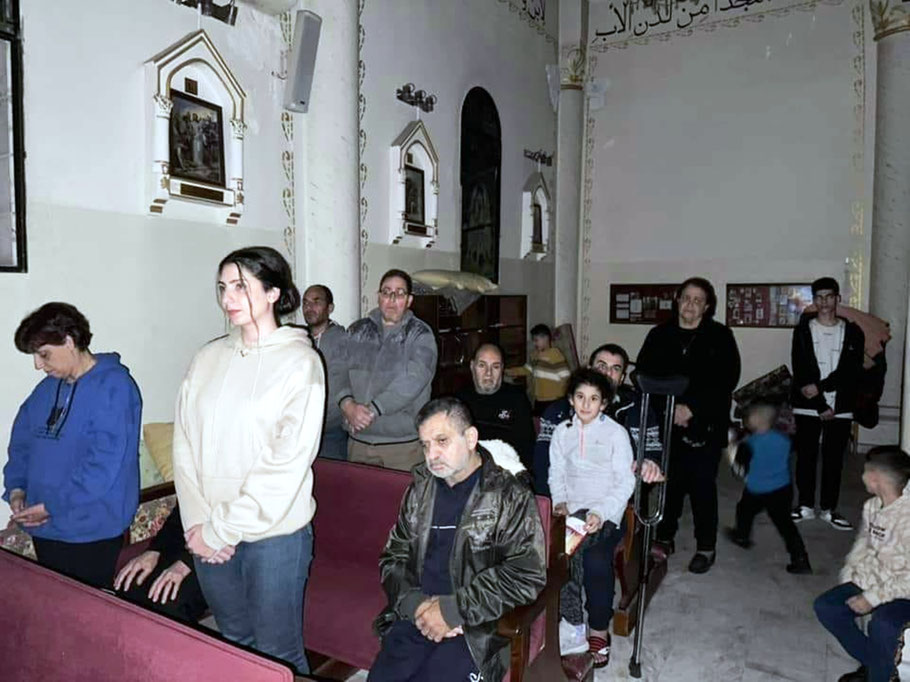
x=56 y=628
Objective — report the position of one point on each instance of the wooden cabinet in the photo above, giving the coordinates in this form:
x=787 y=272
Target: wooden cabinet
x=490 y=319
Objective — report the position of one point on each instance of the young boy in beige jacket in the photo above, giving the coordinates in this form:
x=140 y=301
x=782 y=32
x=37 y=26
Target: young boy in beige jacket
x=876 y=575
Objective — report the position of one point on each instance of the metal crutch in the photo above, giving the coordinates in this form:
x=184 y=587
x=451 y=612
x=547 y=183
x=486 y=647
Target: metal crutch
x=670 y=387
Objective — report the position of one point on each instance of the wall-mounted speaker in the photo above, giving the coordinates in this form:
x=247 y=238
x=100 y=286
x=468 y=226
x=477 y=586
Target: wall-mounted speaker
x=302 y=61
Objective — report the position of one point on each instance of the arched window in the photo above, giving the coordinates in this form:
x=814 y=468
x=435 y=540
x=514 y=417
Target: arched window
x=481 y=157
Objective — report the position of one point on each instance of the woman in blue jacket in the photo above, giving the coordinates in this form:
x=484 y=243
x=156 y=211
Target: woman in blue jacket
x=72 y=478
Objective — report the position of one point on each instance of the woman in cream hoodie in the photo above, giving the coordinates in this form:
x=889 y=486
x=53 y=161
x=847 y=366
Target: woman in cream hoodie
x=249 y=416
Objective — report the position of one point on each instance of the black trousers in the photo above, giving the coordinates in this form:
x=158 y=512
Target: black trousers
x=834 y=434
x=189 y=606
x=693 y=472
x=408 y=656
x=777 y=503
x=91 y=562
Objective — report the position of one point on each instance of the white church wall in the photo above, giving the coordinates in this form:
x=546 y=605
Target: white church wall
x=447 y=48
x=742 y=154
x=146 y=283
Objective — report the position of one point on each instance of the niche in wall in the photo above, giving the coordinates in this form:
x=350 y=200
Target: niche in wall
x=535 y=218
x=414 y=188
x=195 y=126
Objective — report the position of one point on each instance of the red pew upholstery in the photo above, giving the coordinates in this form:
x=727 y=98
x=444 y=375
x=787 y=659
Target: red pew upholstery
x=357 y=505
x=55 y=628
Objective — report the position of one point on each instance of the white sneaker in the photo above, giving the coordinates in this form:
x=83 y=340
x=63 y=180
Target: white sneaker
x=572 y=638
x=802 y=514
x=837 y=521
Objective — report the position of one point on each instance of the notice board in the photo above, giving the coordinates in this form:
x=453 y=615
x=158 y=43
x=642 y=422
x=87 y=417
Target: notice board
x=641 y=303
x=767 y=305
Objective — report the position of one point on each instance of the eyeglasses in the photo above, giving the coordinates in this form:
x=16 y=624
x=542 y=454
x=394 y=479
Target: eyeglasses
x=393 y=293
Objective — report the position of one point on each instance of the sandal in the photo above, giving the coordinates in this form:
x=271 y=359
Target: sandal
x=661 y=550
x=599 y=648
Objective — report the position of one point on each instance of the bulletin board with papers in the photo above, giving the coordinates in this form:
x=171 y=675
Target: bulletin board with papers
x=641 y=303
x=767 y=305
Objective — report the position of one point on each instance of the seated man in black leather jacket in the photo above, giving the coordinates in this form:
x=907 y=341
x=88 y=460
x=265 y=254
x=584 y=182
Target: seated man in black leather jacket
x=467 y=548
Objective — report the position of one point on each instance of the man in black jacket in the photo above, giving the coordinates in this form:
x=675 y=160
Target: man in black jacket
x=468 y=547
x=500 y=411
x=827 y=358
x=692 y=344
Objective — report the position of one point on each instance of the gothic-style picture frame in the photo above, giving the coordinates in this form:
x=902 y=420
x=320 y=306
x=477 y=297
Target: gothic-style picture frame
x=196 y=141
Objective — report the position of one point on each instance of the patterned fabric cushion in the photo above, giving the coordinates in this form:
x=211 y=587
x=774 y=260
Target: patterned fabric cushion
x=17 y=540
x=150 y=517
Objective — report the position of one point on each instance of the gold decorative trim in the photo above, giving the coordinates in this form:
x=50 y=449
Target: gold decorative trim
x=362 y=134
x=855 y=263
x=288 y=198
x=584 y=293
x=888 y=19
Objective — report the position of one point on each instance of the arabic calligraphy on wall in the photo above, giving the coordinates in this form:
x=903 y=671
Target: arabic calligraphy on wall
x=620 y=21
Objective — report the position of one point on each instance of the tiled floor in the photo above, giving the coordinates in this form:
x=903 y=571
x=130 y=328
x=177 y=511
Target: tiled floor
x=747 y=619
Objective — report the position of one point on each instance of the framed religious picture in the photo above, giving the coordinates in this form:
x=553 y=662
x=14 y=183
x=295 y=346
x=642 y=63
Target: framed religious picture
x=196 y=141
x=414 y=211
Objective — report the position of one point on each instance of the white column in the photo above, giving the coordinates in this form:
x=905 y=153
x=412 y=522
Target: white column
x=891 y=210
x=327 y=185
x=570 y=127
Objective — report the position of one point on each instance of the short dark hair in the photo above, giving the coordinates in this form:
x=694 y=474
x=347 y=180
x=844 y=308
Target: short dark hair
x=891 y=460
x=448 y=405
x=823 y=283
x=270 y=268
x=490 y=345
x=585 y=376
x=612 y=349
x=704 y=285
x=763 y=406
x=541 y=330
x=329 y=298
x=50 y=325
x=395 y=272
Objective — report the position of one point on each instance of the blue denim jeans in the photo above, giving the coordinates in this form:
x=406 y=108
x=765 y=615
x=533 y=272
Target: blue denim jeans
x=876 y=650
x=334 y=443
x=257 y=596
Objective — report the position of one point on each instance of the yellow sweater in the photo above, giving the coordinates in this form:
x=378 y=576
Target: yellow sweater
x=549 y=374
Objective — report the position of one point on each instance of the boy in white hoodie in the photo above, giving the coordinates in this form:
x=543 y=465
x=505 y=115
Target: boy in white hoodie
x=876 y=575
x=591 y=469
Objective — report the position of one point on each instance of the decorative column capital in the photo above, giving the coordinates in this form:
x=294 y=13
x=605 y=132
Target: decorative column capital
x=164 y=104
x=888 y=17
x=572 y=60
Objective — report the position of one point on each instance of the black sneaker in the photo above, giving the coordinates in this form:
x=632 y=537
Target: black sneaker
x=837 y=521
x=737 y=539
x=702 y=562
x=800 y=565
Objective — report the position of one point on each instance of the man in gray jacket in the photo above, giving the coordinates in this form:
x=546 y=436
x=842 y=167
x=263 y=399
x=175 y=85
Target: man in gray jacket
x=329 y=338
x=390 y=360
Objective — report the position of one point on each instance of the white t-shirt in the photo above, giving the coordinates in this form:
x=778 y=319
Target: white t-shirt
x=827 y=343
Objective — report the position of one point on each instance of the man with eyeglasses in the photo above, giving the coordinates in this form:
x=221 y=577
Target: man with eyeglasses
x=390 y=360
x=827 y=359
